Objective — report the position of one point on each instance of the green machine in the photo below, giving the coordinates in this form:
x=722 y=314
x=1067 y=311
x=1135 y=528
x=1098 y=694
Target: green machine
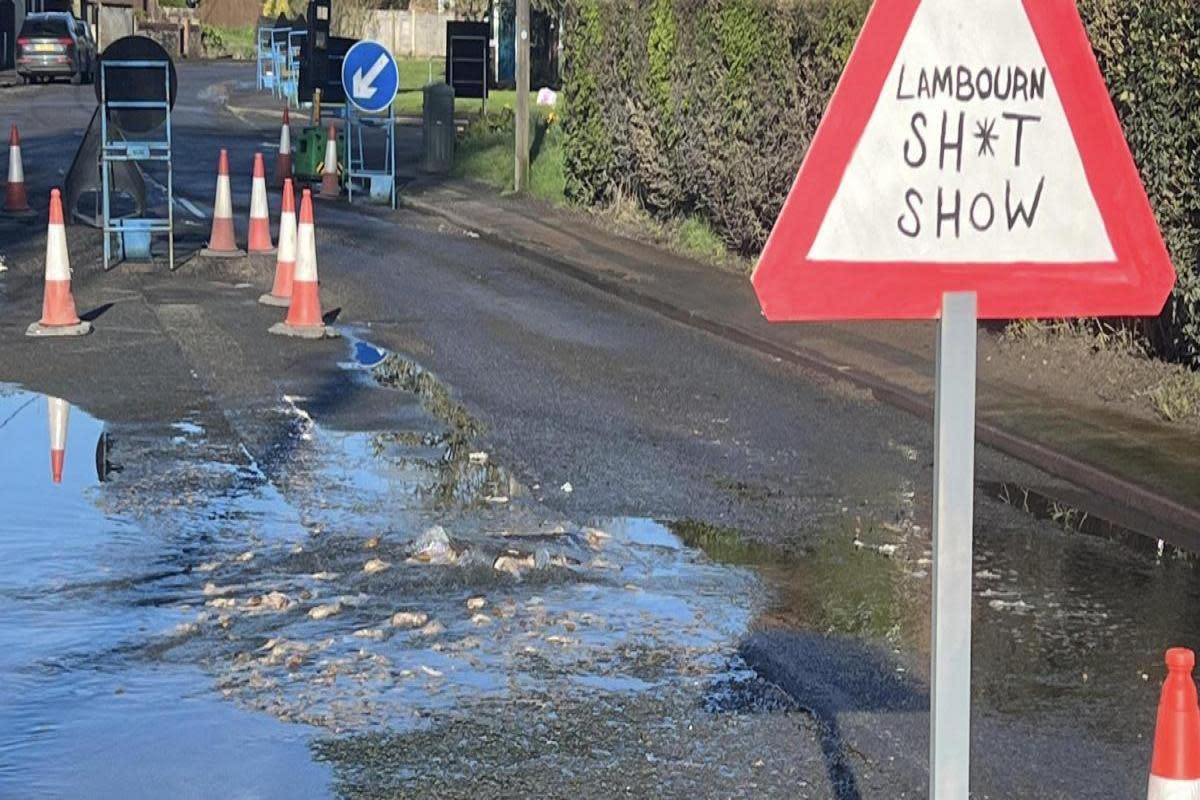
x=309 y=154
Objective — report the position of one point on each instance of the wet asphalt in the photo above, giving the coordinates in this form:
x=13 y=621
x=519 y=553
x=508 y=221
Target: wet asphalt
x=813 y=497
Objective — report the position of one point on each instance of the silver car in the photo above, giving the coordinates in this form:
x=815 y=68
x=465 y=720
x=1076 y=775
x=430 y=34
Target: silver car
x=55 y=46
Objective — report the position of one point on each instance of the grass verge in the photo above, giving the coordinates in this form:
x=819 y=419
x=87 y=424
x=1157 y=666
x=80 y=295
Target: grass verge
x=484 y=152
x=223 y=42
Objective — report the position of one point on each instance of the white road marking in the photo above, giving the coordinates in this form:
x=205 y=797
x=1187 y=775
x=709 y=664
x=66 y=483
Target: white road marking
x=191 y=207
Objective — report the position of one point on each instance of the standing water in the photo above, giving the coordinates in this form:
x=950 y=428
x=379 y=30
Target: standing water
x=82 y=712
x=386 y=613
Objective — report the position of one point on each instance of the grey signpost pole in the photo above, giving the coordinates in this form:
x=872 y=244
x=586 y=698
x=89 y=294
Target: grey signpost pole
x=521 y=180
x=953 y=511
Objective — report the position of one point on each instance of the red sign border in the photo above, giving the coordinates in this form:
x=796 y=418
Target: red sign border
x=792 y=287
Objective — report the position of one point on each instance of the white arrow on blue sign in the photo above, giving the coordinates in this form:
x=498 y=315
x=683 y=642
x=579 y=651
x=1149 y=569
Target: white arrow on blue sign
x=370 y=76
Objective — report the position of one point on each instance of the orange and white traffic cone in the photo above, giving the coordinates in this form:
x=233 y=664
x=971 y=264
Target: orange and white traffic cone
x=285 y=261
x=258 y=240
x=16 y=203
x=221 y=243
x=329 y=175
x=58 y=411
x=1175 y=766
x=59 y=317
x=283 y=162
x=304 y=313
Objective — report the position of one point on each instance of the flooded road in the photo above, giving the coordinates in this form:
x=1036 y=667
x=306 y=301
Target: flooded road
x=83 y=713
x=183 y=619
x=391 y=613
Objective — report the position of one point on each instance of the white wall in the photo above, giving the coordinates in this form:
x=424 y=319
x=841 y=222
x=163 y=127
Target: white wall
x=409 y=34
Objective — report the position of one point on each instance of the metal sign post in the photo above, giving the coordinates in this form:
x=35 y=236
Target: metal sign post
x=953 y=511
x=371 y=79
x=380 y=181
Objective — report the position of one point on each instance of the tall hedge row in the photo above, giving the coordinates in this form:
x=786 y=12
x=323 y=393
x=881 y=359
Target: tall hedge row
x=706 y=107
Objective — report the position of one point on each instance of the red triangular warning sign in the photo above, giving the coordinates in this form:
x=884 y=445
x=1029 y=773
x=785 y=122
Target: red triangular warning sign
x=967 y=147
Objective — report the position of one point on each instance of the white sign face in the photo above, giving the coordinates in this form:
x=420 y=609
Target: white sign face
x=968 y=156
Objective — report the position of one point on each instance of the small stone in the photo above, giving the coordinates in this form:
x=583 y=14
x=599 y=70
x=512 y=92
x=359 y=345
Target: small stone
x=294 y=662
x=208 y=566
x=433 y=547
x=478 y=457
x=481 y=620
x=567 y=488
x=325 y=611
x=276 y=601
x=409 y=619
x=370 y=633
x=432 y=629
x=595 y=537
x=476 y=603
x=244 y=557
x=297 y=549
x=375 y=565
x=324 y=576
x=222 y=602
x=513 y=565
x=372 y=543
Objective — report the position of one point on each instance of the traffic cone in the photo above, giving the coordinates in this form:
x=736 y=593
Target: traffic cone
x=304 y=312
x=1175 y=766
x=283 y=162
x=16 y=204
x=222 y=244
x=329 y=176
x=285 y=261
x=59 y=317
x=258 y=240
x=58 y=411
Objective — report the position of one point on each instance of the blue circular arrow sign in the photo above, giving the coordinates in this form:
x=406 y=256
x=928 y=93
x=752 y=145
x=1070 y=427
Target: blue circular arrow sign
x=370 y=76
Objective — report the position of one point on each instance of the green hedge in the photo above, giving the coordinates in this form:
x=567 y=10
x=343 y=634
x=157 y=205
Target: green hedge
x=705 y=108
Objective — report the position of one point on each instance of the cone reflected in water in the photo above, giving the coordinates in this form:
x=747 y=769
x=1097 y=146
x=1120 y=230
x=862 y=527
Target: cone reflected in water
x=258 y=240
x=283 y=162
x=285 y=260
x=221 y=243
x=16 y=202
x=304 y=313
x=1175 y=766
x=329 y=177
x=59 y=317
x=58 y=411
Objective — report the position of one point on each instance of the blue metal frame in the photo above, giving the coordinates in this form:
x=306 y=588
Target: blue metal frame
x=295 y=51
x=265 y=40
x=121 y=149
x=356 y=158
x=278 y=64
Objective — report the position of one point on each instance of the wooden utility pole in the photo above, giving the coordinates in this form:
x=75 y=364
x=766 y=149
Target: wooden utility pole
x=521 y=181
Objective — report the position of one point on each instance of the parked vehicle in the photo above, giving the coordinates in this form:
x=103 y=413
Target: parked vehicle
x=55 y=45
